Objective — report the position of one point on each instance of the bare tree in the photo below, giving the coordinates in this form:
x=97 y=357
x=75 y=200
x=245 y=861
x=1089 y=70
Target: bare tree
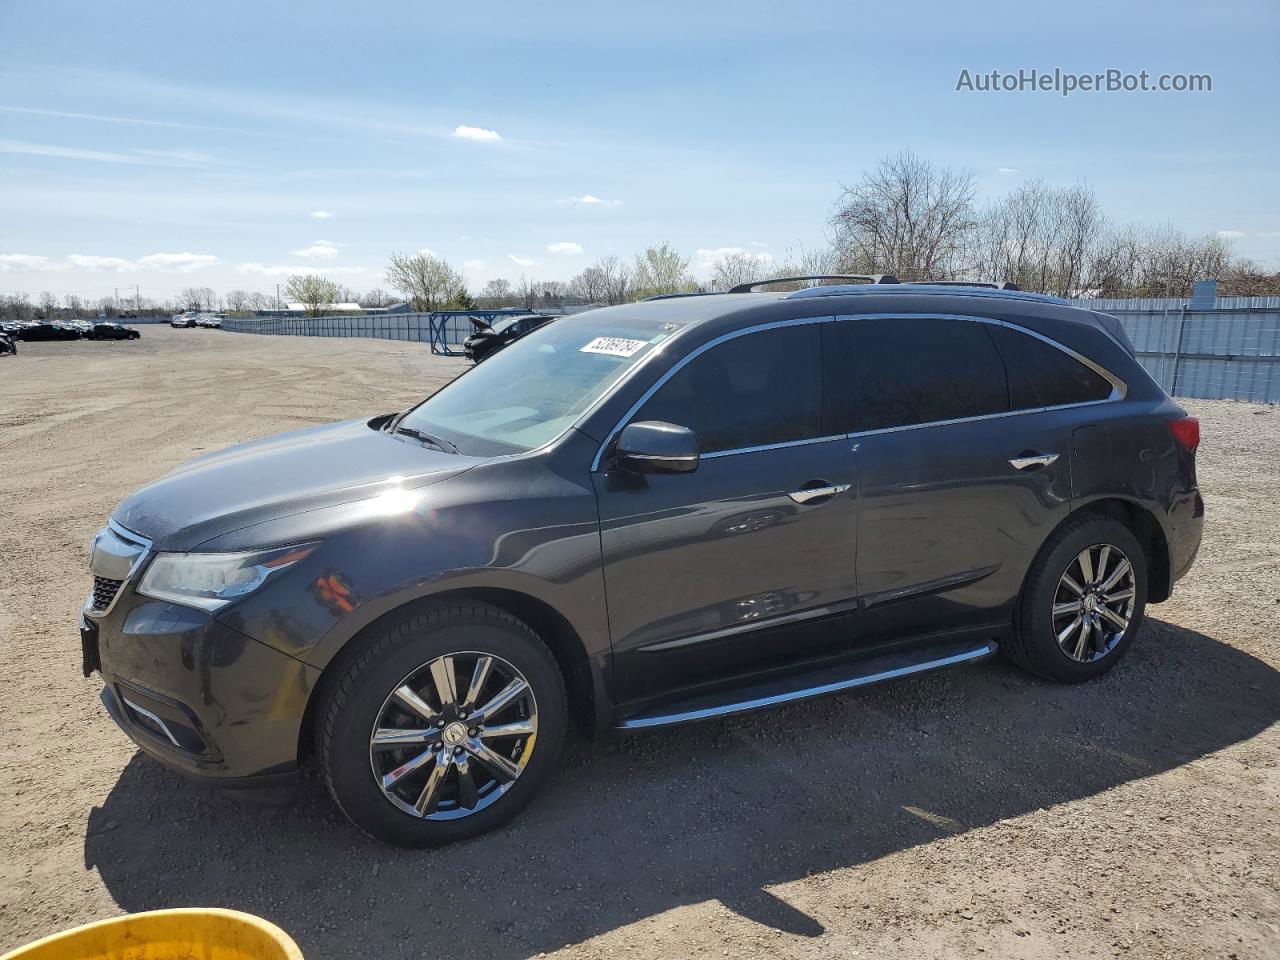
x=906 y=217
x=497 y=289
x=616 y=278
x=313 y=292
x=527 y=291
x=731 y=269
x=427 y=282
x=238 y=300
x=376 y=297
x=48 y=303
x=590 y=285
x=74 y=304
x=661 y=270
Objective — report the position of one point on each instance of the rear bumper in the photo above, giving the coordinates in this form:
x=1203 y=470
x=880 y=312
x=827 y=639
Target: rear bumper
x=1188 y=530
x=197 y=695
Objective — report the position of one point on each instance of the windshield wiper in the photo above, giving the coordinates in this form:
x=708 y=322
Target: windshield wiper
x=440 y=443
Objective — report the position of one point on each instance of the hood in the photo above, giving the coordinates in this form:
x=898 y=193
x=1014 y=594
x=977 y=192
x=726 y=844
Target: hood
x=277 y=477
x=481 y=326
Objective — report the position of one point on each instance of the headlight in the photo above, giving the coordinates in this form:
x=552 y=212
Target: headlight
x=209 y=581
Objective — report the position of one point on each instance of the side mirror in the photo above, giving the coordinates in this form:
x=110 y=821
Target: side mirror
x=652 y=446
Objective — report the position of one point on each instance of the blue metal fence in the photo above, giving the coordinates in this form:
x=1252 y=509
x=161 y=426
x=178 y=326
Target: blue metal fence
x=1230 y=352
x=443 y=330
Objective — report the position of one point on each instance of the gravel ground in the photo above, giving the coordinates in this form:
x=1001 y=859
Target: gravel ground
x=972 y=811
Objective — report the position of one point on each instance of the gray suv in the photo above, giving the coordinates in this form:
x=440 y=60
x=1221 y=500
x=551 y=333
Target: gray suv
x=641 y=516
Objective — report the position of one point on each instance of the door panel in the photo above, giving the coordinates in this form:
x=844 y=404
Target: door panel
x=947 y=526
x=693 y=562
x=947 y=523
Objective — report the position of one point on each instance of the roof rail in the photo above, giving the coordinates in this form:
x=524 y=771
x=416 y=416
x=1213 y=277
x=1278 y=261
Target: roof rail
x=999 y=285
x=673 y=296
x=855 y=277
x=909 y=289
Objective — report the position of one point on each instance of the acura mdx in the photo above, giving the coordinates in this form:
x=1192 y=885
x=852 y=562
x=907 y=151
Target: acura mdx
x=641 y=516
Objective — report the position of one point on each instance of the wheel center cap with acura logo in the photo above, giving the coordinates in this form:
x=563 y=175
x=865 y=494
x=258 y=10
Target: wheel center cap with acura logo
x=454 y=734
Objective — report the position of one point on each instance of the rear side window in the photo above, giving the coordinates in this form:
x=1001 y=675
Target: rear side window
x=901 y=371
x=756 y=389
x=1042 y=375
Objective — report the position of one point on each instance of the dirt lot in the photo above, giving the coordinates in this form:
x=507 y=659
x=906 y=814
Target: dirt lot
x=975 y=810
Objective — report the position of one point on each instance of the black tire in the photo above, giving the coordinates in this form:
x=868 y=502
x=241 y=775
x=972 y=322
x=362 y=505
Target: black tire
x=1034 y=644
x=355 y=698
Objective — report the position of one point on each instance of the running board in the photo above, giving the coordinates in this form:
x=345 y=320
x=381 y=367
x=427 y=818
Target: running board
x=804 y=686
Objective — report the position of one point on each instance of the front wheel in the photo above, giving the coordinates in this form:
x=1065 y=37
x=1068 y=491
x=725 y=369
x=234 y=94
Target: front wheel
x=442 y=726
x=1083 y=602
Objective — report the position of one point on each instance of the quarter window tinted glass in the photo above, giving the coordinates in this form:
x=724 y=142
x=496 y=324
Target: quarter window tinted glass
x=1042 y=375
x=899 y=371
x=756 y=389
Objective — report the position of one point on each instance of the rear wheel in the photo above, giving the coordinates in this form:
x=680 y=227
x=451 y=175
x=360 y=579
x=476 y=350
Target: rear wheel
x=1083 y=602
x=442 y=726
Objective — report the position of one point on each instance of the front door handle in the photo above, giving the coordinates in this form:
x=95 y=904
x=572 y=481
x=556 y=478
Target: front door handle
x=1032 y=460
x=808 y=494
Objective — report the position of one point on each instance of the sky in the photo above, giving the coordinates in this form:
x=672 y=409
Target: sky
x=228 y=145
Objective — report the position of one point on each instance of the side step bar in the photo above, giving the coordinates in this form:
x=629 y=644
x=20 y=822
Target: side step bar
x=805 y=686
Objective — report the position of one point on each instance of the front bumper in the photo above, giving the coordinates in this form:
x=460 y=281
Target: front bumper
x=196 y=694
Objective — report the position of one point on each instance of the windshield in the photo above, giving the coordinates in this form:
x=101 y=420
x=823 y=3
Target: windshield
x=531 y=392
x=499 y=325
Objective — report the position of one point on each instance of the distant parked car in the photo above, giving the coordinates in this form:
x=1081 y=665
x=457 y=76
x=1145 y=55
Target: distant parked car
x=7 y=345
x=212 y=322
x=183 y=320
x=109 y=330
x=49 y=330
x=490 y=338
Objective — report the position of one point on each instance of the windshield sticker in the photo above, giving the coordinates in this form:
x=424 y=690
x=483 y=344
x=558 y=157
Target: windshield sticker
x=613 y=346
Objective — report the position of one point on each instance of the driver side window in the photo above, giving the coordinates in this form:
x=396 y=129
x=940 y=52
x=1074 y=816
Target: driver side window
x=754 y=390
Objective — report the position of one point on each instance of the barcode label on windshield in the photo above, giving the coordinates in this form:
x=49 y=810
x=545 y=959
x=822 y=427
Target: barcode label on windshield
x=614 y=346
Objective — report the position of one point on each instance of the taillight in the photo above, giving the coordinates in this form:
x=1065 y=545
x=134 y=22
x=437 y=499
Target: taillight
x=1187 y=432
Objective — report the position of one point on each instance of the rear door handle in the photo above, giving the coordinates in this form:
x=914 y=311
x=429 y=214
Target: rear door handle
x=809 y=494
x=1033 y=460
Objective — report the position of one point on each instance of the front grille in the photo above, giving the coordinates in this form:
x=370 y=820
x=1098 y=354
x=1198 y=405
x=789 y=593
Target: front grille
x=104 y=591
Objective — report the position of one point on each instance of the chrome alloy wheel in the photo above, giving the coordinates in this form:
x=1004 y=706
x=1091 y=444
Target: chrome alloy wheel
x=454 y=736
x=1094 y=602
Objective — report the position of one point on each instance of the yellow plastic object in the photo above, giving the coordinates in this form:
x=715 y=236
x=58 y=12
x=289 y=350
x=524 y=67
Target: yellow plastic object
x=192 y=934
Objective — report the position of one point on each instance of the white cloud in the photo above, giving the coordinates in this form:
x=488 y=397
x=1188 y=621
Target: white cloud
x=177 y=262
x=28 y=261
x=706 y=258
x=475 y=133
x=89 y=262
x=288 y=270
x=180 y=262
x=161 y=158
x=321 y=214
x=521 y=261
x=1231 y=234
x=564 y=247
x=757 y=243
x=588 y=200
x=474 y=265
x=319 y=250
x=1007 y=171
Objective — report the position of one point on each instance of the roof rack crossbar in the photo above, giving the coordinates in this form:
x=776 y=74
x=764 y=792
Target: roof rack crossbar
x=856 y=277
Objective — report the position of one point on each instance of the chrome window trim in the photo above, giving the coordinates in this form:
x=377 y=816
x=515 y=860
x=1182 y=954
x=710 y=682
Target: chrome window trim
x=679 y=365
x=773 y=446
x=1119 y=389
